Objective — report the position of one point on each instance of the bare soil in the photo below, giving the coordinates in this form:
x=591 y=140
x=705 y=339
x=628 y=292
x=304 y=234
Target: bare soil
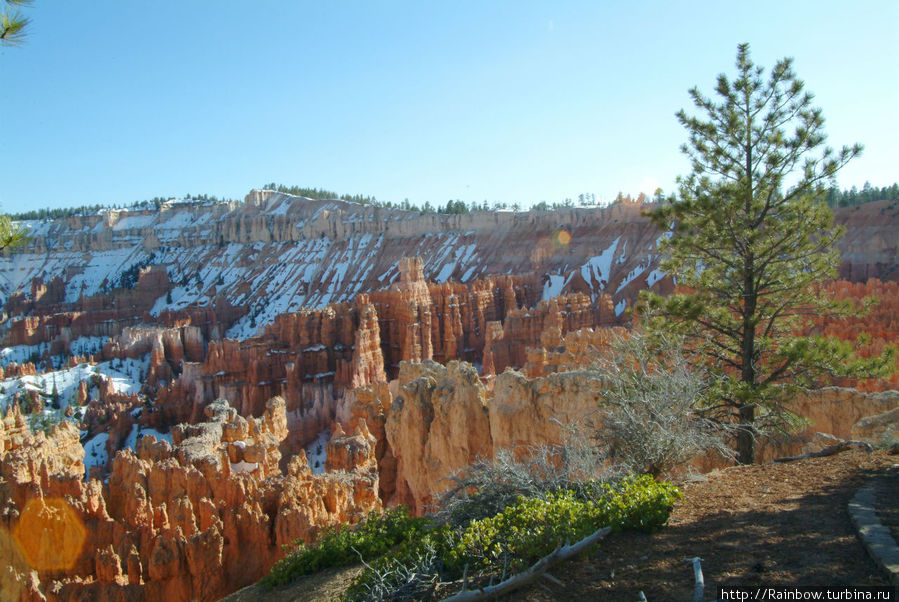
x=769 y=524
x=329 y=584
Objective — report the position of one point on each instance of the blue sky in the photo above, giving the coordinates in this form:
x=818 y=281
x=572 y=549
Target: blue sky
x=113 y=101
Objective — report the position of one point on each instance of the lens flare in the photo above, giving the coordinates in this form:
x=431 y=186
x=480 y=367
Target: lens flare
x=50 y=534
x=11 y=559
x=561 y=238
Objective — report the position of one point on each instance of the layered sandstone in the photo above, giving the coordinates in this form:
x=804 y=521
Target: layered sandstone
x=442 y=418
x=436 y=426
x=840 y=412
x=178 y=521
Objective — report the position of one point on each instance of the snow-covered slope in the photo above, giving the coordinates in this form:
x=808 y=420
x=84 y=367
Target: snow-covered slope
x=277 y=253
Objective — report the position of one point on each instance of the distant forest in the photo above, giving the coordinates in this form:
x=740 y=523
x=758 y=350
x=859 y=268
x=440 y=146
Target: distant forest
x=155 y=203
x=854 y=196
x=834 y=198
x=451 y=207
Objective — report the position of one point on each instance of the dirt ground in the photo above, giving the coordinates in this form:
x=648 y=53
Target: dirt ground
x=771 y=524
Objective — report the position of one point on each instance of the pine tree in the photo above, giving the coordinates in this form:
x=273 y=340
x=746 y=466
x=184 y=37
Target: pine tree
x=12 y=33
x=12 y=235
x=751 y=237
x=54 y=395
x=12 y=23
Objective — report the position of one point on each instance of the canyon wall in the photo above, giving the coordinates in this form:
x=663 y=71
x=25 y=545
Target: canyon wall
x=443 y=418
x=250 y=262
x=312 y=357
x=193 y=520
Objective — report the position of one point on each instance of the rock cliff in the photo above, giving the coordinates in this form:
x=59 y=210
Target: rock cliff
x=232 y=268
x=174 y=521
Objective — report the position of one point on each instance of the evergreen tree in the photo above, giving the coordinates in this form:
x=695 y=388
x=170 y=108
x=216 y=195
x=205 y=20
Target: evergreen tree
x=12 y=23
x=12 y=33
x=54 y=395
x=12 y=235
x=751 y=238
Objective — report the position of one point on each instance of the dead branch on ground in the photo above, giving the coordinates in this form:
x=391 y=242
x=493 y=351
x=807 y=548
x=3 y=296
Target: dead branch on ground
x=831 y=450
x=521 y=579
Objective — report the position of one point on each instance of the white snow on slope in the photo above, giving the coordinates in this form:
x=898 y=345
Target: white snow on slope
x=631 y=276
x=138 y=432
x=125 y=375
x=317 y=452
x=597 y=269
x=133 y=221
x=95 y=453
x=655 y=276
x=29 y=353
x=553 y=286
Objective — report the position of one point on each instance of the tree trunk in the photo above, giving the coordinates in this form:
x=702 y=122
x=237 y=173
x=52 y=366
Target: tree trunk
x=745 y=437
x=745 y=440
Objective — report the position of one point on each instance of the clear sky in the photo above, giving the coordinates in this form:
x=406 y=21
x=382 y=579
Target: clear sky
x=113 y=101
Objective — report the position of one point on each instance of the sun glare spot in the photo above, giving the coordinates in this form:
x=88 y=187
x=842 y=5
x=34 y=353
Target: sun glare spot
x=50 y=534
x=561 y=238
x=11 y=558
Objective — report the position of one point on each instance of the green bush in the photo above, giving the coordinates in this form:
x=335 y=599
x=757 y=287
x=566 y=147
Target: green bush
x=373 y=537
x=520 y=534
x=534 y=527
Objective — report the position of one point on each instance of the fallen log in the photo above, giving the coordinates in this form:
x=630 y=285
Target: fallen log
x=524 y=578
x=830 y=450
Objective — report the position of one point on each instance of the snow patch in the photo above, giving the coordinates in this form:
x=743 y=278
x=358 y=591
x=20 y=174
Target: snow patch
x=244 y=467
x=598 y=268
x=130 y=222
x=138 y=432
x=655 y=276
x=95 y=453
x=317 y=452
x=125 y=375
x=552 y=288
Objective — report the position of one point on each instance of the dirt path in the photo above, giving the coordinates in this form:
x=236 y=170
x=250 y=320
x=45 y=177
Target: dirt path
x=329 y=584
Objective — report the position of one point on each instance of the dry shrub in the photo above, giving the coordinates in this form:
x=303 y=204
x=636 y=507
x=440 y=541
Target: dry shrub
x=488 y=486
x=652 y=417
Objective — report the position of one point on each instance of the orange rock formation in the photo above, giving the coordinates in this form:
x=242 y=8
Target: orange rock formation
x=174 y=522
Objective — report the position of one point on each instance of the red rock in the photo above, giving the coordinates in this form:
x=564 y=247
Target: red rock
x=178 y=521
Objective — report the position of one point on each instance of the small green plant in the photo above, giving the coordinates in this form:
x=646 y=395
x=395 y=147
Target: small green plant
x=373 y=537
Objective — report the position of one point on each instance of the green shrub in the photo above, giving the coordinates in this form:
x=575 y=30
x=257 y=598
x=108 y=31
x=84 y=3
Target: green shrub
x=373 y=537
x=520 y=534
x=534 y=527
